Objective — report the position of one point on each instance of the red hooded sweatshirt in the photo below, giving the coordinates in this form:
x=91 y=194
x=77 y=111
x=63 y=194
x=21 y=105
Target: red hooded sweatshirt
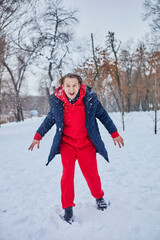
x=74 y=131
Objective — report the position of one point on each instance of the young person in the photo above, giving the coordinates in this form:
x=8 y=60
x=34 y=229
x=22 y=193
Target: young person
x=74 y=109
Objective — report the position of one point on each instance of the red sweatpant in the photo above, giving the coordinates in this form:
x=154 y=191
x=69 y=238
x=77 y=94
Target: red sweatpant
x=88 y=164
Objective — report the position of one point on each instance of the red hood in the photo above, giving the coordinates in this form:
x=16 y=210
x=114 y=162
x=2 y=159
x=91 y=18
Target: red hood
x=59 y=93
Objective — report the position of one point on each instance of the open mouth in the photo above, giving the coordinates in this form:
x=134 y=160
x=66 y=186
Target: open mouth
x=71 y=94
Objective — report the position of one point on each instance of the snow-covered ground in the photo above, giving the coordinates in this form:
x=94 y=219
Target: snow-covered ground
x=30 y=192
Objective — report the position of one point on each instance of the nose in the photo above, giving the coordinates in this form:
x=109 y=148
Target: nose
x=71 y=89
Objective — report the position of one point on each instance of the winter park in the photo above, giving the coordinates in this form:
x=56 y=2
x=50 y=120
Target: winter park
x=79 y=120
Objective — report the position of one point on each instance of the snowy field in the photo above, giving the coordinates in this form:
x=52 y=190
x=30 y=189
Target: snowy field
x=30 y=192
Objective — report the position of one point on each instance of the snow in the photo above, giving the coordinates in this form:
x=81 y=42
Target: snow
x=30 y=192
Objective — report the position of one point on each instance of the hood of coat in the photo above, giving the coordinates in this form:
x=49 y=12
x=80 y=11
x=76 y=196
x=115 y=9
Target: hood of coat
x=60 y=94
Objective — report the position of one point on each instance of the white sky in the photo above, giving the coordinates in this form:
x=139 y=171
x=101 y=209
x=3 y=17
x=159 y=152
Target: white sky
x=124 y=17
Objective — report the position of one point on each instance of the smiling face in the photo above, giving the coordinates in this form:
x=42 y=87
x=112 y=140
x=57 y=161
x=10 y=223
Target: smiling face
x=71 y=87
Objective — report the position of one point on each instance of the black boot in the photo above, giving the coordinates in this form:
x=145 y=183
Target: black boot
x=68 y=215
x=101 y=204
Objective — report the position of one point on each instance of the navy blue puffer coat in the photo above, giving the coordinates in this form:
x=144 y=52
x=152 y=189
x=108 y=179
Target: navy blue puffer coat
x=93 y=110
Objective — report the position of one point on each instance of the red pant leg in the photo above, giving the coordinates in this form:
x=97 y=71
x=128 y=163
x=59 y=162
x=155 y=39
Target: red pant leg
x=88 y=164
x=68 y=156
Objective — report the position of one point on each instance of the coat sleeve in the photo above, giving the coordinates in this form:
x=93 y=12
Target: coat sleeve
x=105 y=119
x=49 y=121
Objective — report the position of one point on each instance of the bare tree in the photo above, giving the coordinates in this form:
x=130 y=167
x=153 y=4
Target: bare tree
x=8 y=8
x=16 y=75
x=141 y=80
x=127 y=63
x=152 y=12
x=97 y=75
x=112 y=43
x=2 y=53
x=9 y=13
x=154 y=90
x=51 y=35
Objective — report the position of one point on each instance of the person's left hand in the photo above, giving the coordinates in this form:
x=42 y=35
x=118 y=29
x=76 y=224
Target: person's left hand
x=119 y=140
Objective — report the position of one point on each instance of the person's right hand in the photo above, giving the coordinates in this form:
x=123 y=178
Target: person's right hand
x=33 y=144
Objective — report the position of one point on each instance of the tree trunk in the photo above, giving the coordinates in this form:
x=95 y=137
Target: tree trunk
x=155 y=121
x=18 y=109
x=18 y=112
x=112 y=44
x=155 y=105
x=102 y=98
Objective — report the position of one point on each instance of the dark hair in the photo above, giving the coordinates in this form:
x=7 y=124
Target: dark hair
x=70 y=75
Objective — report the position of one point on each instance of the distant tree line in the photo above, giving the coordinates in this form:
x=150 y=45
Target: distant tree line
x=37 y=37
x=128 y=75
